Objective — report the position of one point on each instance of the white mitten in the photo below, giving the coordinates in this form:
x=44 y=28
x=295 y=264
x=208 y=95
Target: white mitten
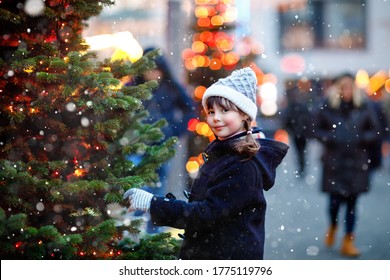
x=138 y=199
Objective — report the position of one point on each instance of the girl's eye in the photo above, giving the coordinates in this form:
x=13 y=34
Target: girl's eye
x=225 y=110
x=210 y=112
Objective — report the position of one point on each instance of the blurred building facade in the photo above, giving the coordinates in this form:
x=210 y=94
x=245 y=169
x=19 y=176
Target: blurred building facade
x=318 y=40
x=299 y=39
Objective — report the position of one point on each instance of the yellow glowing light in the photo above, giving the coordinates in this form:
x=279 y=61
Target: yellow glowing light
x=201 y=12
x=212 y=2
x=198 y=47
x=120 y=55
x=387 y=85
x=231 y=58
x=210 y=134
x=79 y=172
x=217 y=20
x=127 y=46
x=29 y=69
x=377 y=81
x=225 y=44
x=200 y=60
x=192 y=166
x=362 y=79
x=33 y=110
x=203 y=128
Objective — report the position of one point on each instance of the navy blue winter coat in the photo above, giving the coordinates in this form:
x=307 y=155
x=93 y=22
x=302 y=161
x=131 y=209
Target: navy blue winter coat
x=347 y=134
x=224 y=217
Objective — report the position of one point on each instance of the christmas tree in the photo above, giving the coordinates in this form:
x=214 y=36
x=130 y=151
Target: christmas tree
x=69 y=131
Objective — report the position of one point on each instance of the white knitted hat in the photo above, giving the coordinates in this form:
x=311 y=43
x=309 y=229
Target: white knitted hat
x=239 y=88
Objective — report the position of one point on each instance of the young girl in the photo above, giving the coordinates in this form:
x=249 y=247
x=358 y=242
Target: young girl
x=224 y=217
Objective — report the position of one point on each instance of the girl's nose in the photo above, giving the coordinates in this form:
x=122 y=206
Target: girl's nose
x=216 y=116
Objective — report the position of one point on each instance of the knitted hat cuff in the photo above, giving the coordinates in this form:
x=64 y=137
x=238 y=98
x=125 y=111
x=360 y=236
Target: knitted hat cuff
x=237 y=98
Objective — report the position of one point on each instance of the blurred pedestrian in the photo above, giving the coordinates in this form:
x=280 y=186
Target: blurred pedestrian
x=346 y=126
x=171 y=102
x=224 y=217
x=296 y=119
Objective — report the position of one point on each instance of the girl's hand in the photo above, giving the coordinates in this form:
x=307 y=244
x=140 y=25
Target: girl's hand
x=138 y=199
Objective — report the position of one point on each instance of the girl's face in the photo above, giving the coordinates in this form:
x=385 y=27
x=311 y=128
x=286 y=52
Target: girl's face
x=225 y=122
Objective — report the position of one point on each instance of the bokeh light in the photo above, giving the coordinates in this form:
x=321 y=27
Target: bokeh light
x=281 y=135
x=362 y=79
x=199 y=91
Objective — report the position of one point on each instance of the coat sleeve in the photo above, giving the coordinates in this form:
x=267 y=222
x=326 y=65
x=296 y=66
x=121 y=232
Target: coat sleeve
x=230 y=192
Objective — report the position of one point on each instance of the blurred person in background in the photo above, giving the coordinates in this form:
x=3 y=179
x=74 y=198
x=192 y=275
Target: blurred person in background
x=346 y=126
x=296 y=118
x=171 y=102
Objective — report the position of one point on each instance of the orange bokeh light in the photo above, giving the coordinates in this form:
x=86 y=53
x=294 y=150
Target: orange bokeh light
x=217 y=20
x=281 y=135
x=198 y=47
x=230 y=58
x=387 y=85
x=189 y=65
x=206 y=36
x=204 y=22
x=215 y=64
x=199 y=91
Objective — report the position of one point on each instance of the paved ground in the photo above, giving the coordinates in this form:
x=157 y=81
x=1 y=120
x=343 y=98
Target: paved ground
x=296 y=218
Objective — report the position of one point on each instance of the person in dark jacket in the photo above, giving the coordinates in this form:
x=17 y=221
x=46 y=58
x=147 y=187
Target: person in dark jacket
x=170 y=99
x=296 y=119
x=346 y=126
x=224 y=217
x=171 y=102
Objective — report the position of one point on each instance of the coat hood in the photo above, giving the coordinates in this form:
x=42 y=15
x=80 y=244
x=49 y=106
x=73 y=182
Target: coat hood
x=268 y=158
